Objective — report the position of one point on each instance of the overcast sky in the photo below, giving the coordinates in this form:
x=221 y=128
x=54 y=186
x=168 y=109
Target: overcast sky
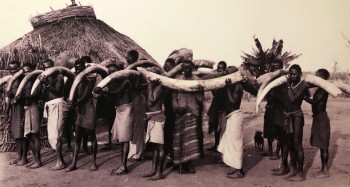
x=214 y=29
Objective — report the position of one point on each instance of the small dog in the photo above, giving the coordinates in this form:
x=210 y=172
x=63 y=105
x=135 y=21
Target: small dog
x=259 y=140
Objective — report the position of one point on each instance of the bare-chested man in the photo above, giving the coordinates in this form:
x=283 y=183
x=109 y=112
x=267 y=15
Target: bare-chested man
x=231 y=143
x=294 y=91
x=320 y=131
x=215 y=111
x=32 y=119
x=85 y=123
x=17 y=116
x=122 y=130
x=155 y=127
x=55 y=106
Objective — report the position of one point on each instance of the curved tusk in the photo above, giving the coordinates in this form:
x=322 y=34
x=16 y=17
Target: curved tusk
x=267 y=78
x=32 y=75
x=101 y=70
x=13 y=79
x=342 y=86
x=324 y=84
x=145 y=62
x=5 y=79
x=266 y=90
x=191 y=85
x=117 y=75
x=53 y=72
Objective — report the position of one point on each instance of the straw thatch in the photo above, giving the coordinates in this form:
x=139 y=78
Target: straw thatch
x=67 y=34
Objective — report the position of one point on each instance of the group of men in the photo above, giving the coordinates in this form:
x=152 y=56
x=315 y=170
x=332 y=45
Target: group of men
x=141 y=112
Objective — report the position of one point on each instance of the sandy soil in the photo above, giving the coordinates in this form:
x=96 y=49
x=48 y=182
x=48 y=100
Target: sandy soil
x=209 y=172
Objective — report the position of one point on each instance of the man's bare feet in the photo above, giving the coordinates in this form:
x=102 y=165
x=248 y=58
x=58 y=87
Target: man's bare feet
x=236 y=175
x=120 y=171
x=14 y=162
x=291 y=174
x=58 y=166
x=298 y=177
x=149 y=174
x=22 y=162
x=321 y=174
x=30 y=164
x=279 y=172
x=71 y=168
x=94 y=167
x=35 y=165
x=158 y=176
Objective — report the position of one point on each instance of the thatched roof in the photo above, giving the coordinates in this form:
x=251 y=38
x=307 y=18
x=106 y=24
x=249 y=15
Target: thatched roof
x=67 y=34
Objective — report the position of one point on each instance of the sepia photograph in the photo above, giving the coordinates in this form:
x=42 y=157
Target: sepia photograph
x=175 y=93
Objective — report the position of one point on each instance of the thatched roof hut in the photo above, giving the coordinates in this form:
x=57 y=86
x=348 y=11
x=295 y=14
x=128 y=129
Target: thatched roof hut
x=67 y=34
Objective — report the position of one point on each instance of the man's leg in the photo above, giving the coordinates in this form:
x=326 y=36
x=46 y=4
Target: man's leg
x=123 y=170
x=161 y=157
x=323 y=173
x=94 y=166
x=276 y=154
x=285 y=147
x=79 y=134
x=154 y=161
x=298 y=154
x=24 y=145
x=19 y=151
x=35 y=139
x=60 y=164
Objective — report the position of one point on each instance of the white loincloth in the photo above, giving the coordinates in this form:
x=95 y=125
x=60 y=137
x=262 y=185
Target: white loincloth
x=123 y=124
x=231 y=143
x=155 y=127
x=55 y=111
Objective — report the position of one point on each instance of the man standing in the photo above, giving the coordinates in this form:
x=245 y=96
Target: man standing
x=273 y=117
x=85 y=123
x=231 y=144
x=215 y=112
x=320 y=131
x=186 y=136
x=17 y=117
x=54 y=110
x=122 y=130
x=32 y=119
x=137 y=145
x=295 y=90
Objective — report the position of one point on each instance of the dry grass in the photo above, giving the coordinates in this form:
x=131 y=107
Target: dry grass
x=72 y=38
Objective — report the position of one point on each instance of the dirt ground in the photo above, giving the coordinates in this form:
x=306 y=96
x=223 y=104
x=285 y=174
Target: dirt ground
x=209 y=172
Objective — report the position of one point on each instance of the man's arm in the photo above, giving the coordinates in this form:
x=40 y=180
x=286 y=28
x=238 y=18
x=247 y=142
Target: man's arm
x=154 y=93
x=317 y=97
x=251 y=86
x=232 y=92
x=295 y=94
x=55 y=87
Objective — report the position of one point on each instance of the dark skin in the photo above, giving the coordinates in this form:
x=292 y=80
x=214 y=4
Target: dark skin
x=34 y=138
x=21 y=143
x=296 y=90
x=120 y=91
x=274 y=67
x=217 y=94
x=53 y=89
x=234 y=93
x=84 y=90
x=111 y=69
x=154 y=103
x=319 y=104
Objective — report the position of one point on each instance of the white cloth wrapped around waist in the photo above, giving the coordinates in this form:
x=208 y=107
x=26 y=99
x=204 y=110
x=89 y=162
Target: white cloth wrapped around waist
x=231 y=143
